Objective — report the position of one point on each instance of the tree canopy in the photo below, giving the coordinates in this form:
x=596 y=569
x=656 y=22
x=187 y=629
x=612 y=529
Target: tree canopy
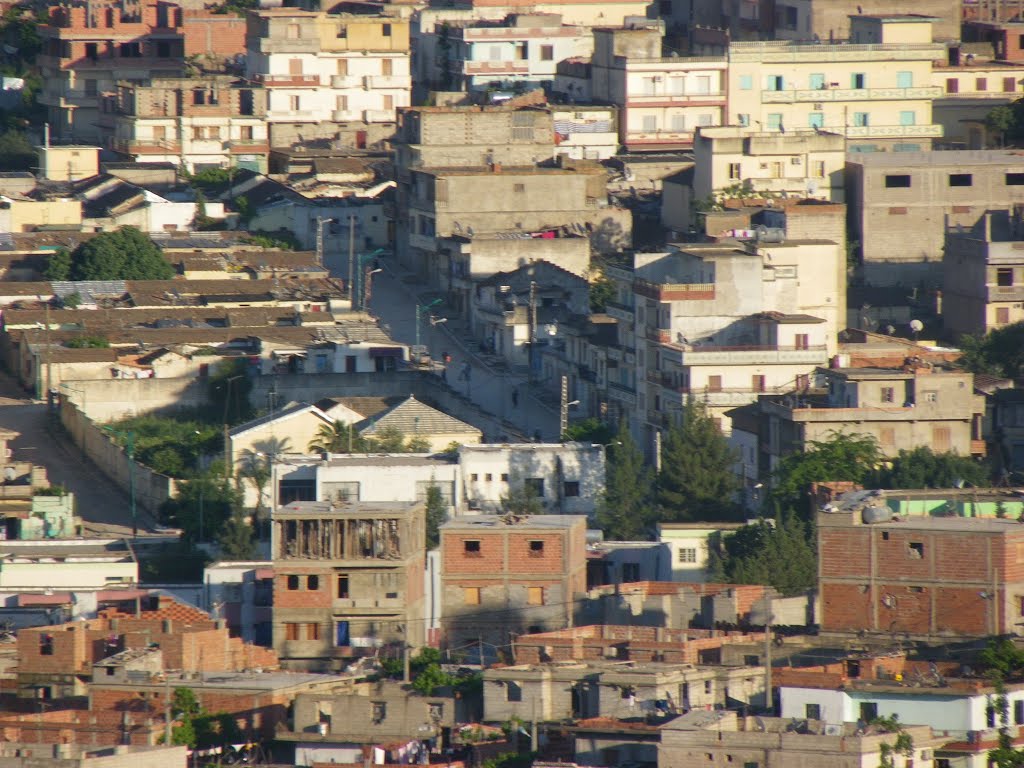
x=436 y=512
x=923 y=468
x=696 y=481
x=625 y=511
x=1000 y=352
x=125 y=254
x=839 y=457
x=779 y=553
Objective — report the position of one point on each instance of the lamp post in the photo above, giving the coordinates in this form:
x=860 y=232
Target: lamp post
x=420 y=310
x=362 y=277
x=129 y=451
x=227 y=441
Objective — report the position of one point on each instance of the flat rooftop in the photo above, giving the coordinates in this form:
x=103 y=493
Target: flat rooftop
x=302 y=508
x=958 y=158
x=258 y=681
x=497 y=522
x=69 y=550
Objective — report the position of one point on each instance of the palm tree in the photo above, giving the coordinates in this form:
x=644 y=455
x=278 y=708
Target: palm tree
x=338 y=437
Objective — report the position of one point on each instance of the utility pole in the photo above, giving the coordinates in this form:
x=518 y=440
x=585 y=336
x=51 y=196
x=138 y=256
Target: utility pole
x=406 y=663
x=130 y=452
x=351 y=257
x=563 y=413
x=768 y=697
x=49 y=355
x=167 y=708
x=320 y=221
x=532 y=326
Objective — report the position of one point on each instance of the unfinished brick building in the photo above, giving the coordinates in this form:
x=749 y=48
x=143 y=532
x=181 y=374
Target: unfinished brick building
x=348 y=579
x=509 y=575
x=916 y=574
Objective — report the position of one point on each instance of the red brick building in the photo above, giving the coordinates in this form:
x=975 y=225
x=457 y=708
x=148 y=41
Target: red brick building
x=503 y=576
x=924 y=576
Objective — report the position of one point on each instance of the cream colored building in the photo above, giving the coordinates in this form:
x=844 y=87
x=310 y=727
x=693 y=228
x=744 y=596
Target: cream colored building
x=320 y=67
x=18 y=215
x=68 y=162
x=969 y=92
x=288 y=430
x=876 y=91
x=662 y=100
x=67 y=564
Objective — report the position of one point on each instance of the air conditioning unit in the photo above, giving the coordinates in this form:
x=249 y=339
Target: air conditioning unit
x=794 y=161
x=817 y=106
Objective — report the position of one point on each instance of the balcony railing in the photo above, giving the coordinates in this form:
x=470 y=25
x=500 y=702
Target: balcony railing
x=674 y=291
x=889 y=131
x=496 y=68
x=639 y=100
x=347 y=81
x=287 y=80
x=379 y=115
x=346 y=115
x=850 y=94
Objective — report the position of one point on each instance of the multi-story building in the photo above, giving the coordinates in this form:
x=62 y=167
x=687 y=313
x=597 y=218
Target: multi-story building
x=207 y=122
x=661 y=99
x=724 y=322
x=735 y=162
x=983 y=274
x=88 y=48
x=320 y=69
x=721 y=738
x=891 y=194
x=502 y=576
x=902 y=408
x=917 y=574
x=518 y=52
x=586 y=131
x=348 y=579
x=876 y=90
x=971 y=87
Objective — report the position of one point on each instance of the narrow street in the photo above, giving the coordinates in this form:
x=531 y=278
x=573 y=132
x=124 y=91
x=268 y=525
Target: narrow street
x=394 y=302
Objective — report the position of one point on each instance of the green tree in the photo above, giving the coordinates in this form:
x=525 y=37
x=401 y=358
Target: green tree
x=999 y=352
x=1001 y=119
x=229 y=390
x=88 y=342
x=205 y=502
x=256 y=468
x=72 y=301
x=388 y=440
x=522 y=500
x=125 y=254
x=236 y=540
x=779 y=553
x=696 y=481
x=58 y=267
x=591 y=430
x=625 y=512
x=184 y=708
x=337 y=437
x=921 y=467
x=16 y=151
x=437 y=511
x=838 y=457
x=602 y=290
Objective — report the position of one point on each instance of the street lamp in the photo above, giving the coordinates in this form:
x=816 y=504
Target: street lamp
x=420 y=310
x=227 y=442
x=129 y=451
x=362 y=277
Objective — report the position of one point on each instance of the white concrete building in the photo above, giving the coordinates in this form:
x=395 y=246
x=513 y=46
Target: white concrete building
x=521 y=51
x=84 y=564
x=688 y=545
x=585 y=132
x=319 y=67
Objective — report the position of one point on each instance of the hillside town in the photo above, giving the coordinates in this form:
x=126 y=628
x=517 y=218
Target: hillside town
x=494 y=384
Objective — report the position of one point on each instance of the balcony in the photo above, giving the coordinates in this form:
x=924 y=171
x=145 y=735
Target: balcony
x=146 y=147
x=346 y=604
x=655 y=138
x=978 y=448
x=815 y=411
x=621 y=392
x=287 y=81
x=889 y=131
x=347 y=115
x=619 y=311
x=1005 y=293
x=675 y=99
x=850 y=94
x=249 y=147
x=490 y=68
x=284 y=45
x=674 y=291
x=383 y=82
x=347 y=81
x=379 y=115
x=811 y=355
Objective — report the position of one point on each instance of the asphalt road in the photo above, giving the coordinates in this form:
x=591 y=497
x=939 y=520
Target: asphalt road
x=103 y=506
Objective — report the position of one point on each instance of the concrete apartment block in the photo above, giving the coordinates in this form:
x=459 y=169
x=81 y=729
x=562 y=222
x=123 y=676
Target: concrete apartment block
x=506 y=575
x=891 y=194
x=348 y=579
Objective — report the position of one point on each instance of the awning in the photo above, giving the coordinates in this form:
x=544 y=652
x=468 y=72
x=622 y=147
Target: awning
x=57 y=598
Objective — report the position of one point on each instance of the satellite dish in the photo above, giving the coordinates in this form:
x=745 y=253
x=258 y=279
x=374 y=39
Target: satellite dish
x=916 y=326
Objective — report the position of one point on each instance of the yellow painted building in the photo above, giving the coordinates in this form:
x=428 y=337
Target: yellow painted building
x=68 y=162
x=876 y=91
x=30 y=215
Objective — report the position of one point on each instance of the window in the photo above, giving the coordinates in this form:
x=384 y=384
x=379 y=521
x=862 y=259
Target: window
x=342 y=66
x=471 y=595
x=535 y=485
x=90 y=87
x=380 y=708
x=293 y=583
x=897 y=180
x=536 y=547
x=630 y=572
x=474 y=477
x=1002 y=315
x=294 y=103
x=571 y=488
x=915 y=550
x=961 y=179
x=812 y=711
x=861 y=119
x=665 y=7
x=504 y=477
x=708 y=686
x=774 y=121
x=908 y=117
x=775 y=83
x=930 y=396
x=677 y=123
x=245 y=132
x=714 y=383
x=293 y=32
x=385 y=29
x=291 y=631
x=1004 y=277
x=389 y=102
x=535 y=595
x=547 y=53
x=858 y=80
x=687 y=555
x=1009 y=85
x=649 y=123
x=734 y=171
x=816 y=119
x=312 y=631
x=757 y=383
x=801 y=341
x=746 y=82
x=816 y=82
x=868 y=711
x=952 y=85
x=522 y=51
x=343 y=587
x=92 y=51
x=743 y=118
x=1018 y=712
x=888 y=394
x=46 y=644
x=513 y=691
x=471 y=546
x=980 y=84
x=940 y=439
x=313 y=583
x=385 y=67
x=1015 y=179
x=904 y=79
